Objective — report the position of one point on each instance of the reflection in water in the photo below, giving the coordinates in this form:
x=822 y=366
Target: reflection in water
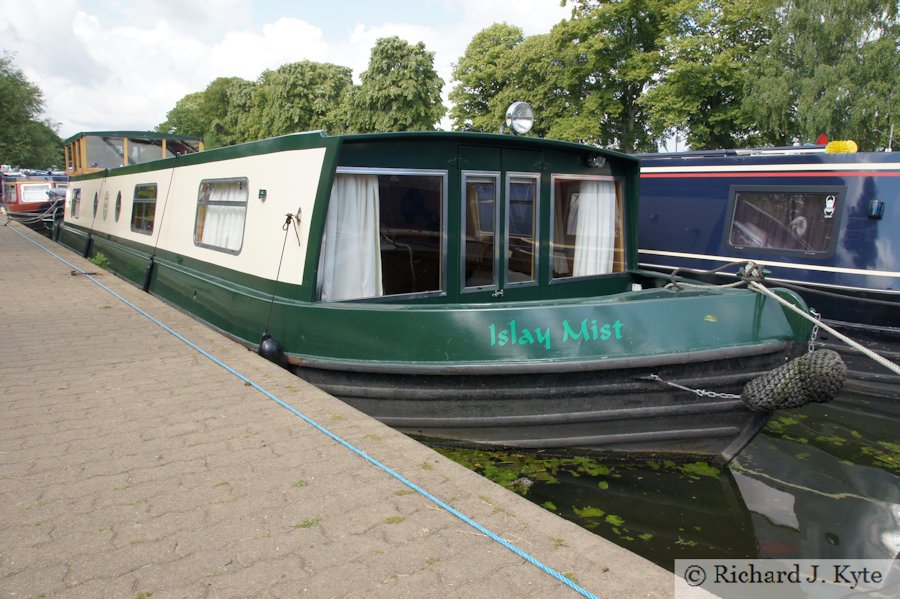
x=820 y=482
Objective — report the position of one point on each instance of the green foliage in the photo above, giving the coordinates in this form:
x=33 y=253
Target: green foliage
x=218 y=114
x=100 y=259
x=300 y=96
x=588 y=512
x=310 y=523
x=481 y=75
x=701 y=89
x=831 y=67
x=400 y=91
x=187 y=117
x=701 y=469
x=618 y=73
x=26 y=140
x=612 y=49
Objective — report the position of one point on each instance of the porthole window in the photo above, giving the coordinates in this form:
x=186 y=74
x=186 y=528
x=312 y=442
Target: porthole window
x=118 y=209
x=96 y=202
x=105 y=205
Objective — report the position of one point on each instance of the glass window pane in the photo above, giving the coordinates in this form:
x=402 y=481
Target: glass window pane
x=587 y=227
x=383 y=236
x=76 y=202
x=143 y=209
x=105 y=152
x=480 y=213
x=221 y=214
x=522 y=219
x=144 y=150
x=783 y=220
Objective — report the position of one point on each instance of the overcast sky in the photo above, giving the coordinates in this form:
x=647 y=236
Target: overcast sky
x=122 y=64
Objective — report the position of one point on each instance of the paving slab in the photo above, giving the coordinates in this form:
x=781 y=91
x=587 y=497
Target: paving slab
x=133 y=465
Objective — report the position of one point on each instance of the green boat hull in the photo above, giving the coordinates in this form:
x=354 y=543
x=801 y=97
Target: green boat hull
x=576 y=364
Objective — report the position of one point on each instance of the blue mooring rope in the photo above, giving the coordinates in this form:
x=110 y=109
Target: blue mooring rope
x=534 y=561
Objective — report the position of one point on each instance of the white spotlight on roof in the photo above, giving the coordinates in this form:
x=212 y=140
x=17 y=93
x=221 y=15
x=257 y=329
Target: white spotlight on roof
x=520 y=117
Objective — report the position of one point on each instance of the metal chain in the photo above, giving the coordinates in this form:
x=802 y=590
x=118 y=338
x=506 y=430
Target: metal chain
x=697 y=392
x=815 y=330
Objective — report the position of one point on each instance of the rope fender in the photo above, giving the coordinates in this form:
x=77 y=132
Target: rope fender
x=816 y=377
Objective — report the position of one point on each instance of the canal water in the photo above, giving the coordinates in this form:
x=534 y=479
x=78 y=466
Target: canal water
x=820 y=482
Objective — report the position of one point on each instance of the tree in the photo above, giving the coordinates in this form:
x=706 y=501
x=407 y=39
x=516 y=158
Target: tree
x=217 y=114
x=614 y=53
x=501 y=66
x=300 y=96
x=400 y=91
x=831 y=67
x=187 y=117
x=26 y=140
x=227 y=102
x=481 y=77
x=700 y=93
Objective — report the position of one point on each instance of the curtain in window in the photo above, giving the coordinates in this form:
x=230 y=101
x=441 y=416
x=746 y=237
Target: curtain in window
x=350 y=264
x=560 y=262
x=593 y=215
x=223 y=224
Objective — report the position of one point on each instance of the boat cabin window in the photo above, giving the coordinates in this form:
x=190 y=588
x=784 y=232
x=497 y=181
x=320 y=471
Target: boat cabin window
x=481 y=191
x=221 y=214
x=521 y=228
x=384 y=235
x=783 y=220
x=76 y=202
x=96 y=202
x=118 y=208
x=143 y=209
x=105 y=152
x=34 y=192
x=587 y=227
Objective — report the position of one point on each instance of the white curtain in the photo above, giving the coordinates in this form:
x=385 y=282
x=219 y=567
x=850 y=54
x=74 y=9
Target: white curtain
x=593 y=215
x=223 y=225
x=350 y=264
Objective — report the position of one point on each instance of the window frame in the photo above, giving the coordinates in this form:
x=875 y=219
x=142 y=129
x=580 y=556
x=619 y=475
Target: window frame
x=76 y=202
x=444 y=231
x=201 y=202
x=621 y=216
x=536 y=228
x=464 y=213
x=839 y=191
x=144 y=202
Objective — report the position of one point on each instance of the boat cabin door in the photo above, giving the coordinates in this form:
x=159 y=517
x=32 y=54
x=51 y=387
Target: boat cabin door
x=500 y=193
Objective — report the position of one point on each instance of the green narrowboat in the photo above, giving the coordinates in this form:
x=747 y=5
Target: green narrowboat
x=461 y=287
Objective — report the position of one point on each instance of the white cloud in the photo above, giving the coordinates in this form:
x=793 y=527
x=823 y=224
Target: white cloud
x=117 y=64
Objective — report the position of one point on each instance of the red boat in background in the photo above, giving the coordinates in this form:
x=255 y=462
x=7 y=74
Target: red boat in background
x=32 y=197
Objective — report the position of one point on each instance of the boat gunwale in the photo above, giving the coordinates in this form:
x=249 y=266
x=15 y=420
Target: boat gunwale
x=537 y=366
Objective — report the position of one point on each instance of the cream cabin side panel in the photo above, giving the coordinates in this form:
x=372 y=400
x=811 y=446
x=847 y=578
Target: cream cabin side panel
x=278 y=184
x=119 y=195
x=85 y=191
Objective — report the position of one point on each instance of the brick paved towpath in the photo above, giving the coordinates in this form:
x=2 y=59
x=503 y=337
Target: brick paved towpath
x=131 y=465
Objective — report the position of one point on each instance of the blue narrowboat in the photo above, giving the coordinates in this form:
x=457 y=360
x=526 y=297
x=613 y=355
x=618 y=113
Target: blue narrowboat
x=825 y=223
